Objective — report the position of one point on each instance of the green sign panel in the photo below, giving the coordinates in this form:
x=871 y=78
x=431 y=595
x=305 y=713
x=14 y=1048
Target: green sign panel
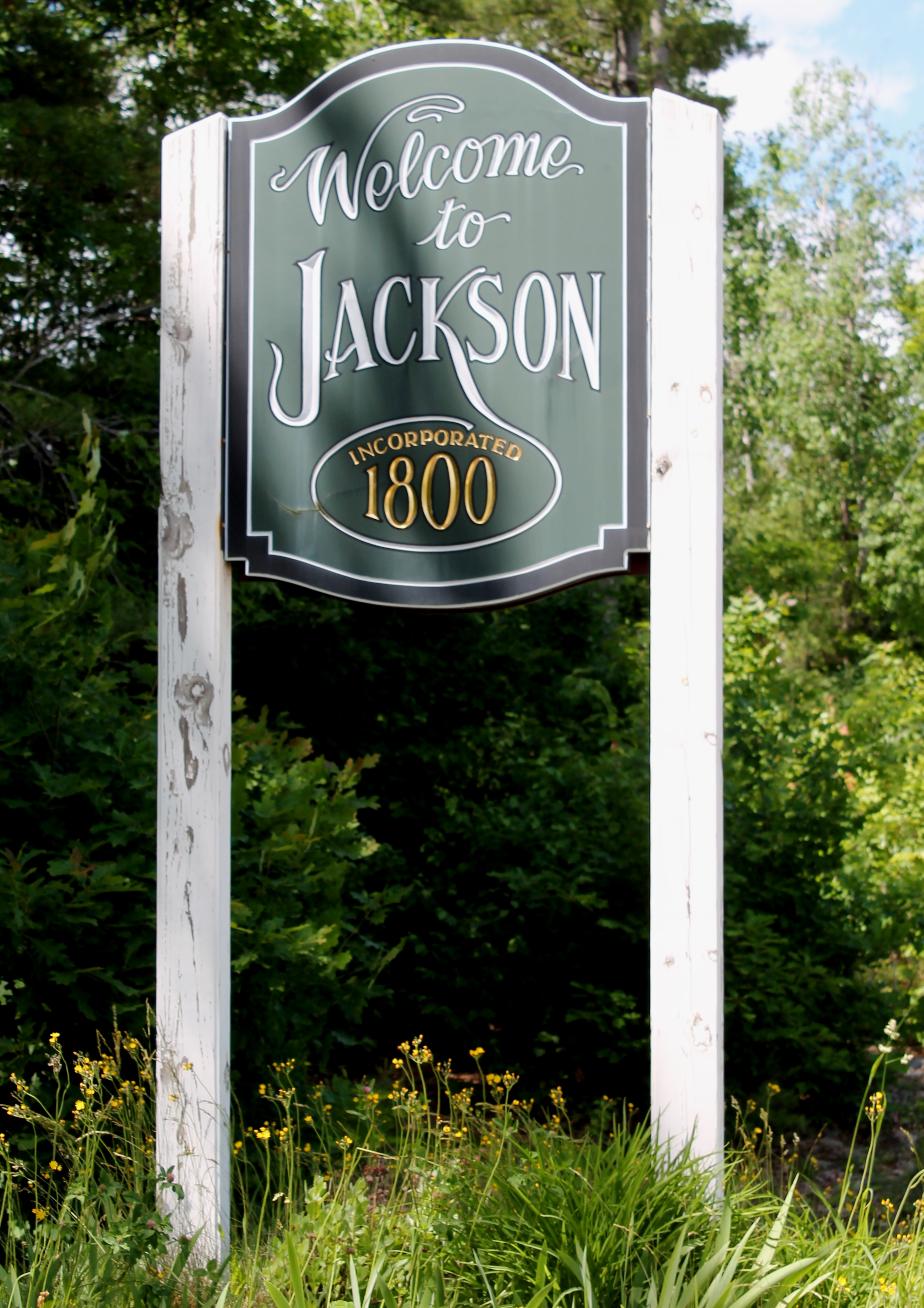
x=437 y=340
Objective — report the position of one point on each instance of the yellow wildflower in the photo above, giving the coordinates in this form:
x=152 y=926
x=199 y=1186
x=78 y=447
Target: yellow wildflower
x=876 y=1105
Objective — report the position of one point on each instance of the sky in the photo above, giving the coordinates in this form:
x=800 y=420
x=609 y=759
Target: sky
x=883 y=38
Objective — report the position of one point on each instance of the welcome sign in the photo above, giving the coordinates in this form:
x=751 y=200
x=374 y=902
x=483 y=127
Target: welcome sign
x=437 y=330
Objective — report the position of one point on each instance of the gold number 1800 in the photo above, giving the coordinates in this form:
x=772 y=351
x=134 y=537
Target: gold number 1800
x=401 y=484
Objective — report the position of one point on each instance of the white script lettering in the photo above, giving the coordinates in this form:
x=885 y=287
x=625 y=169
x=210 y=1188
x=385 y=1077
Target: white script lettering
x=378 y=182
x=549 y=317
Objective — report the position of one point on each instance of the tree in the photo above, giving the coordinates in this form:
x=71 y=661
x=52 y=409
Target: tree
x=822 y=401
x=508 y=895
x=620 y=47
x=823 y=427
x=86 y=92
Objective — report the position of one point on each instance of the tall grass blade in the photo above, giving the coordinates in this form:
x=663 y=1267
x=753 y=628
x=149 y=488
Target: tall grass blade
x=296 y=1272
x=770 y=1245
x=361 y=1300
x=492 y=1298
x=11 y=1286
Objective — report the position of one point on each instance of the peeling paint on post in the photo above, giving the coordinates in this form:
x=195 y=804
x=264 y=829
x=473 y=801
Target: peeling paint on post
x=194 y=694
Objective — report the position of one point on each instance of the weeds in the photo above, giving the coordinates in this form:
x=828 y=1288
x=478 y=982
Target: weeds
x=436 y=1189
x=79 y=1221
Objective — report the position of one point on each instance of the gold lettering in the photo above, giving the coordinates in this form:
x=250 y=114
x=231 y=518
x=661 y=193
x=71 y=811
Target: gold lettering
x=426 y=436
x=513 y=452
x=394 y=440
x=375 y=444
x=353 y=457
x=490 y=490
x=441 y=431
x=372 y=478
x=366 y=451
x=401 y=474
x=484 y=438
x=456 y=437
x=499 y=445
x=410 y=438
x=426 y=490
x=472 y=439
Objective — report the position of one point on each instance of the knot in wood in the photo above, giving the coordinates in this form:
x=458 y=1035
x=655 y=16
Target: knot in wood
x=177 y=532
x=663 y=466
x=178 y=329
x=194 y=694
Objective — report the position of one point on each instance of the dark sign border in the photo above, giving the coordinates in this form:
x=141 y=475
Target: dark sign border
x=619 y=548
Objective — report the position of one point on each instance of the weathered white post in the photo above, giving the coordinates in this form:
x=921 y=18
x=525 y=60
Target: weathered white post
x=686 y=634
x=194 y=698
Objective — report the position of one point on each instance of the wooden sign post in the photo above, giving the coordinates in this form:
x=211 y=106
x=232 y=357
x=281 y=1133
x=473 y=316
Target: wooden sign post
x=687 y=1096
x=194 y=701
x=458 y=367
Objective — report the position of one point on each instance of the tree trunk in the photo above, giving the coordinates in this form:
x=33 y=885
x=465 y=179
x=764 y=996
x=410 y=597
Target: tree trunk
x=628 y=43
x=659 y=58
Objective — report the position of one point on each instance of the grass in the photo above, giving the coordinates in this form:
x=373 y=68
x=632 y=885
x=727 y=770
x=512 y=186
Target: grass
x=436 y=1190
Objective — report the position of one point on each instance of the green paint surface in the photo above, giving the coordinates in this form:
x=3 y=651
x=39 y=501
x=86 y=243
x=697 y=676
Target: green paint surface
x=451 y=467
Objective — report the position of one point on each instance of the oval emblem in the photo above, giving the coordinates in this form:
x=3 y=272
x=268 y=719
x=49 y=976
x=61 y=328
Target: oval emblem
x=435 y=483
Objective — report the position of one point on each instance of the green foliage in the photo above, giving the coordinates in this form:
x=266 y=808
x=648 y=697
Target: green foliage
x=513 y=813
x=462 y=1192
x=444 y=1196
x=619 y=47
x=507 y=900
x=306 y=913
x=823 y=507
x=79 y=1218
x=77 y=886
x=797 y=1012
x=712 y=1277
x=823 y=421
x=882 y=871
x=78 y=744
x=895 y=563
x=444 y=1190
x=86 y=92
